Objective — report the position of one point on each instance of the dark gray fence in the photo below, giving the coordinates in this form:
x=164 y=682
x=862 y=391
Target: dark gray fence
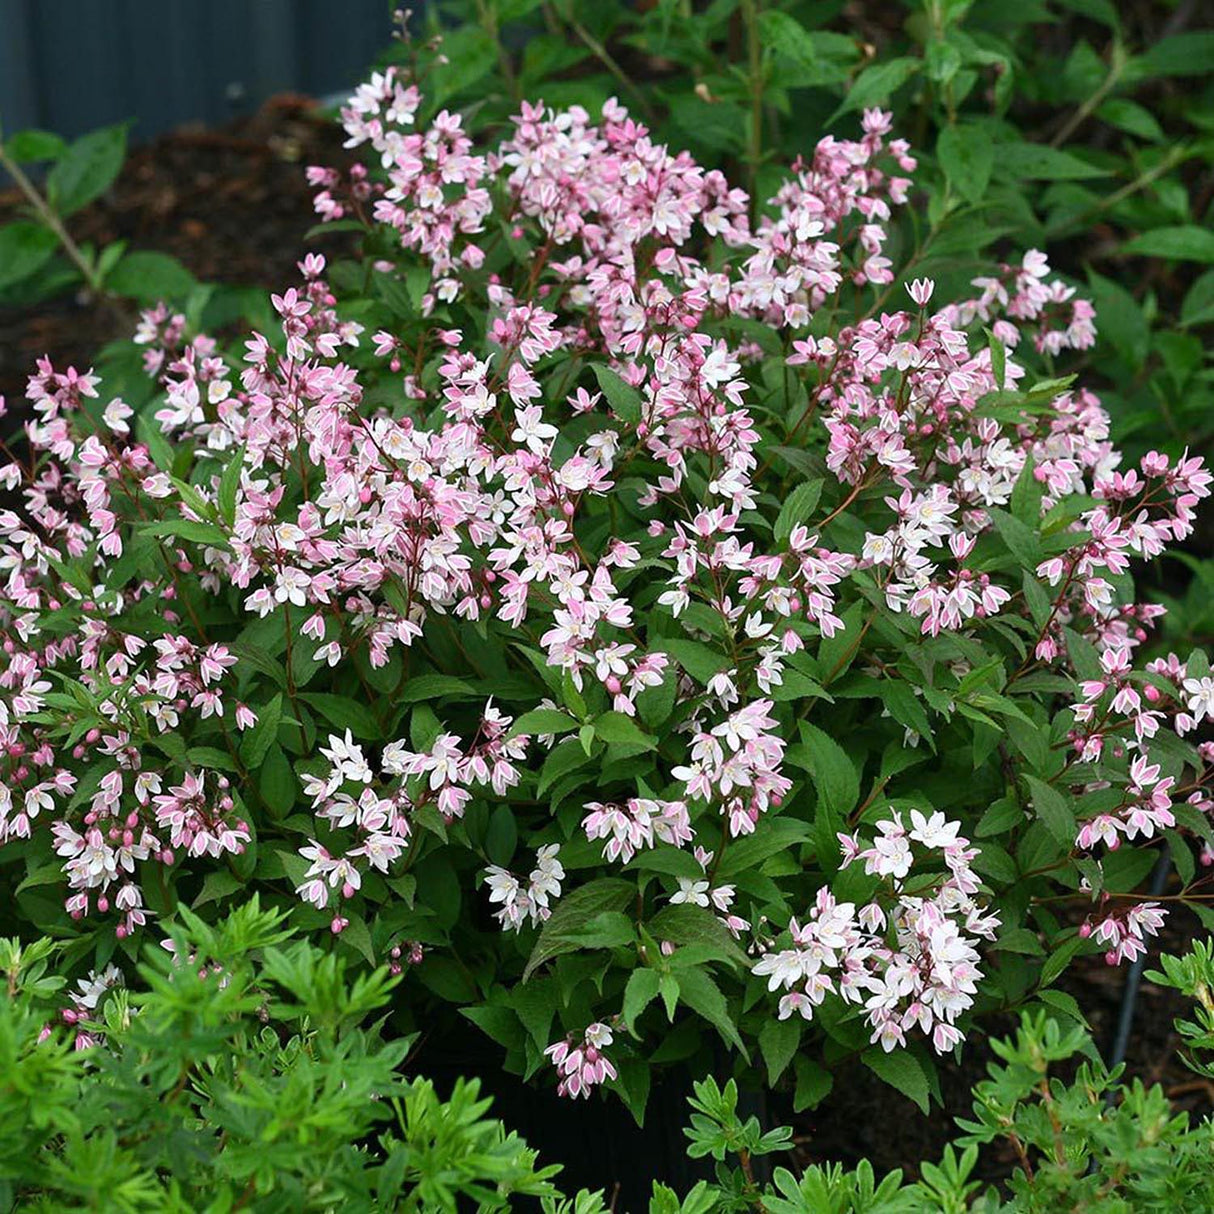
x=72 y=65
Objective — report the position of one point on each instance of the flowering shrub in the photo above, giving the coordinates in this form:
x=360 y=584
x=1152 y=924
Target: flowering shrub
x=614 y=600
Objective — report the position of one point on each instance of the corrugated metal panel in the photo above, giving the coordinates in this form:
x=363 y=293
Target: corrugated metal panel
x=72 y=65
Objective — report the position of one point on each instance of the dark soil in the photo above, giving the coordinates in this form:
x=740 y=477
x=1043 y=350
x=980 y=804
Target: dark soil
x=231 y=205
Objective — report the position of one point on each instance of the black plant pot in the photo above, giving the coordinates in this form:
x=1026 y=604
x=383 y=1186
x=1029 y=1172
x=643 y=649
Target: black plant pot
x=596 y=1140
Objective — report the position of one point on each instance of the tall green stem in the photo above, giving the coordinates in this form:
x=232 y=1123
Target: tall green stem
x=754 y=55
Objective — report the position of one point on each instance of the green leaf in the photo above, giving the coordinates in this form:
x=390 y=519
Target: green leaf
x=797 y=508
x=967 y=156
x=357 y=935
x=747 y=853
x=608 y=929
x=229 y=486
x=572 y=913
x=26 y=147
x=561 y=760
x=813 y=1084
x=499 y=1023
x=1130 y=117
x=1177 y=55
x=778 y=1041
x=1198 y=306
x=673 y=861
x=276 y=782
x=149 y=276
x=542 y=721
x=1083 y=655
x=469 y=53
x=212 y=756
x=1020 y=538
x=785 y=34
x=641 y=990
x=1020 y=940
x=1124 y=328
x=1039 y=162
x=998 y=359
x=25 y=247
x=342 y=712
x=1184 y=242
x=501 y=838
x=217 y=886
x=395 y=293
x=700 y=993
x=901 y=1070
x=632 y=1084
x=700 y=661
x=836 y=653
x=87 y=169
x=256 y=743
x=687 y=924
x=1064 y=1003
x=999 y=818
x=1052 y=808
x=1059 y=959
x=432 y=686
x=875 y=84
x=1027 y=495
x=617 y=727
x=624 y=399
x=535 y=1005
x=833 y=773
x=187 y=529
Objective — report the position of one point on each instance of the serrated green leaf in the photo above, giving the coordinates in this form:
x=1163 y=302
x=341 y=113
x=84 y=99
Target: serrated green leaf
x=797 y=508
x=343 y=713
x=1054 y=811
x=902 y=1071
x=624 y=399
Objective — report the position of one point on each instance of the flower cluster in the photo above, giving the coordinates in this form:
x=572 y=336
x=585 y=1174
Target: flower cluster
x=84 y=1004
x=348 y=796
x=1125 y=932
x=637 y=824
x=533 y=901
x=582 y=1065
x=909 y=958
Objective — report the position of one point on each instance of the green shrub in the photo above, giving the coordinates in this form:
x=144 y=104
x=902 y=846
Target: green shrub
x=240 y=1072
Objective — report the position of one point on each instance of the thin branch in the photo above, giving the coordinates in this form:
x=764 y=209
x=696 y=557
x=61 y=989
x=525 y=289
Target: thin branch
x=48 y=217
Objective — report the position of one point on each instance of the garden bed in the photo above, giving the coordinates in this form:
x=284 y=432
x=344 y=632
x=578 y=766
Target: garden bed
x=230 y=204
